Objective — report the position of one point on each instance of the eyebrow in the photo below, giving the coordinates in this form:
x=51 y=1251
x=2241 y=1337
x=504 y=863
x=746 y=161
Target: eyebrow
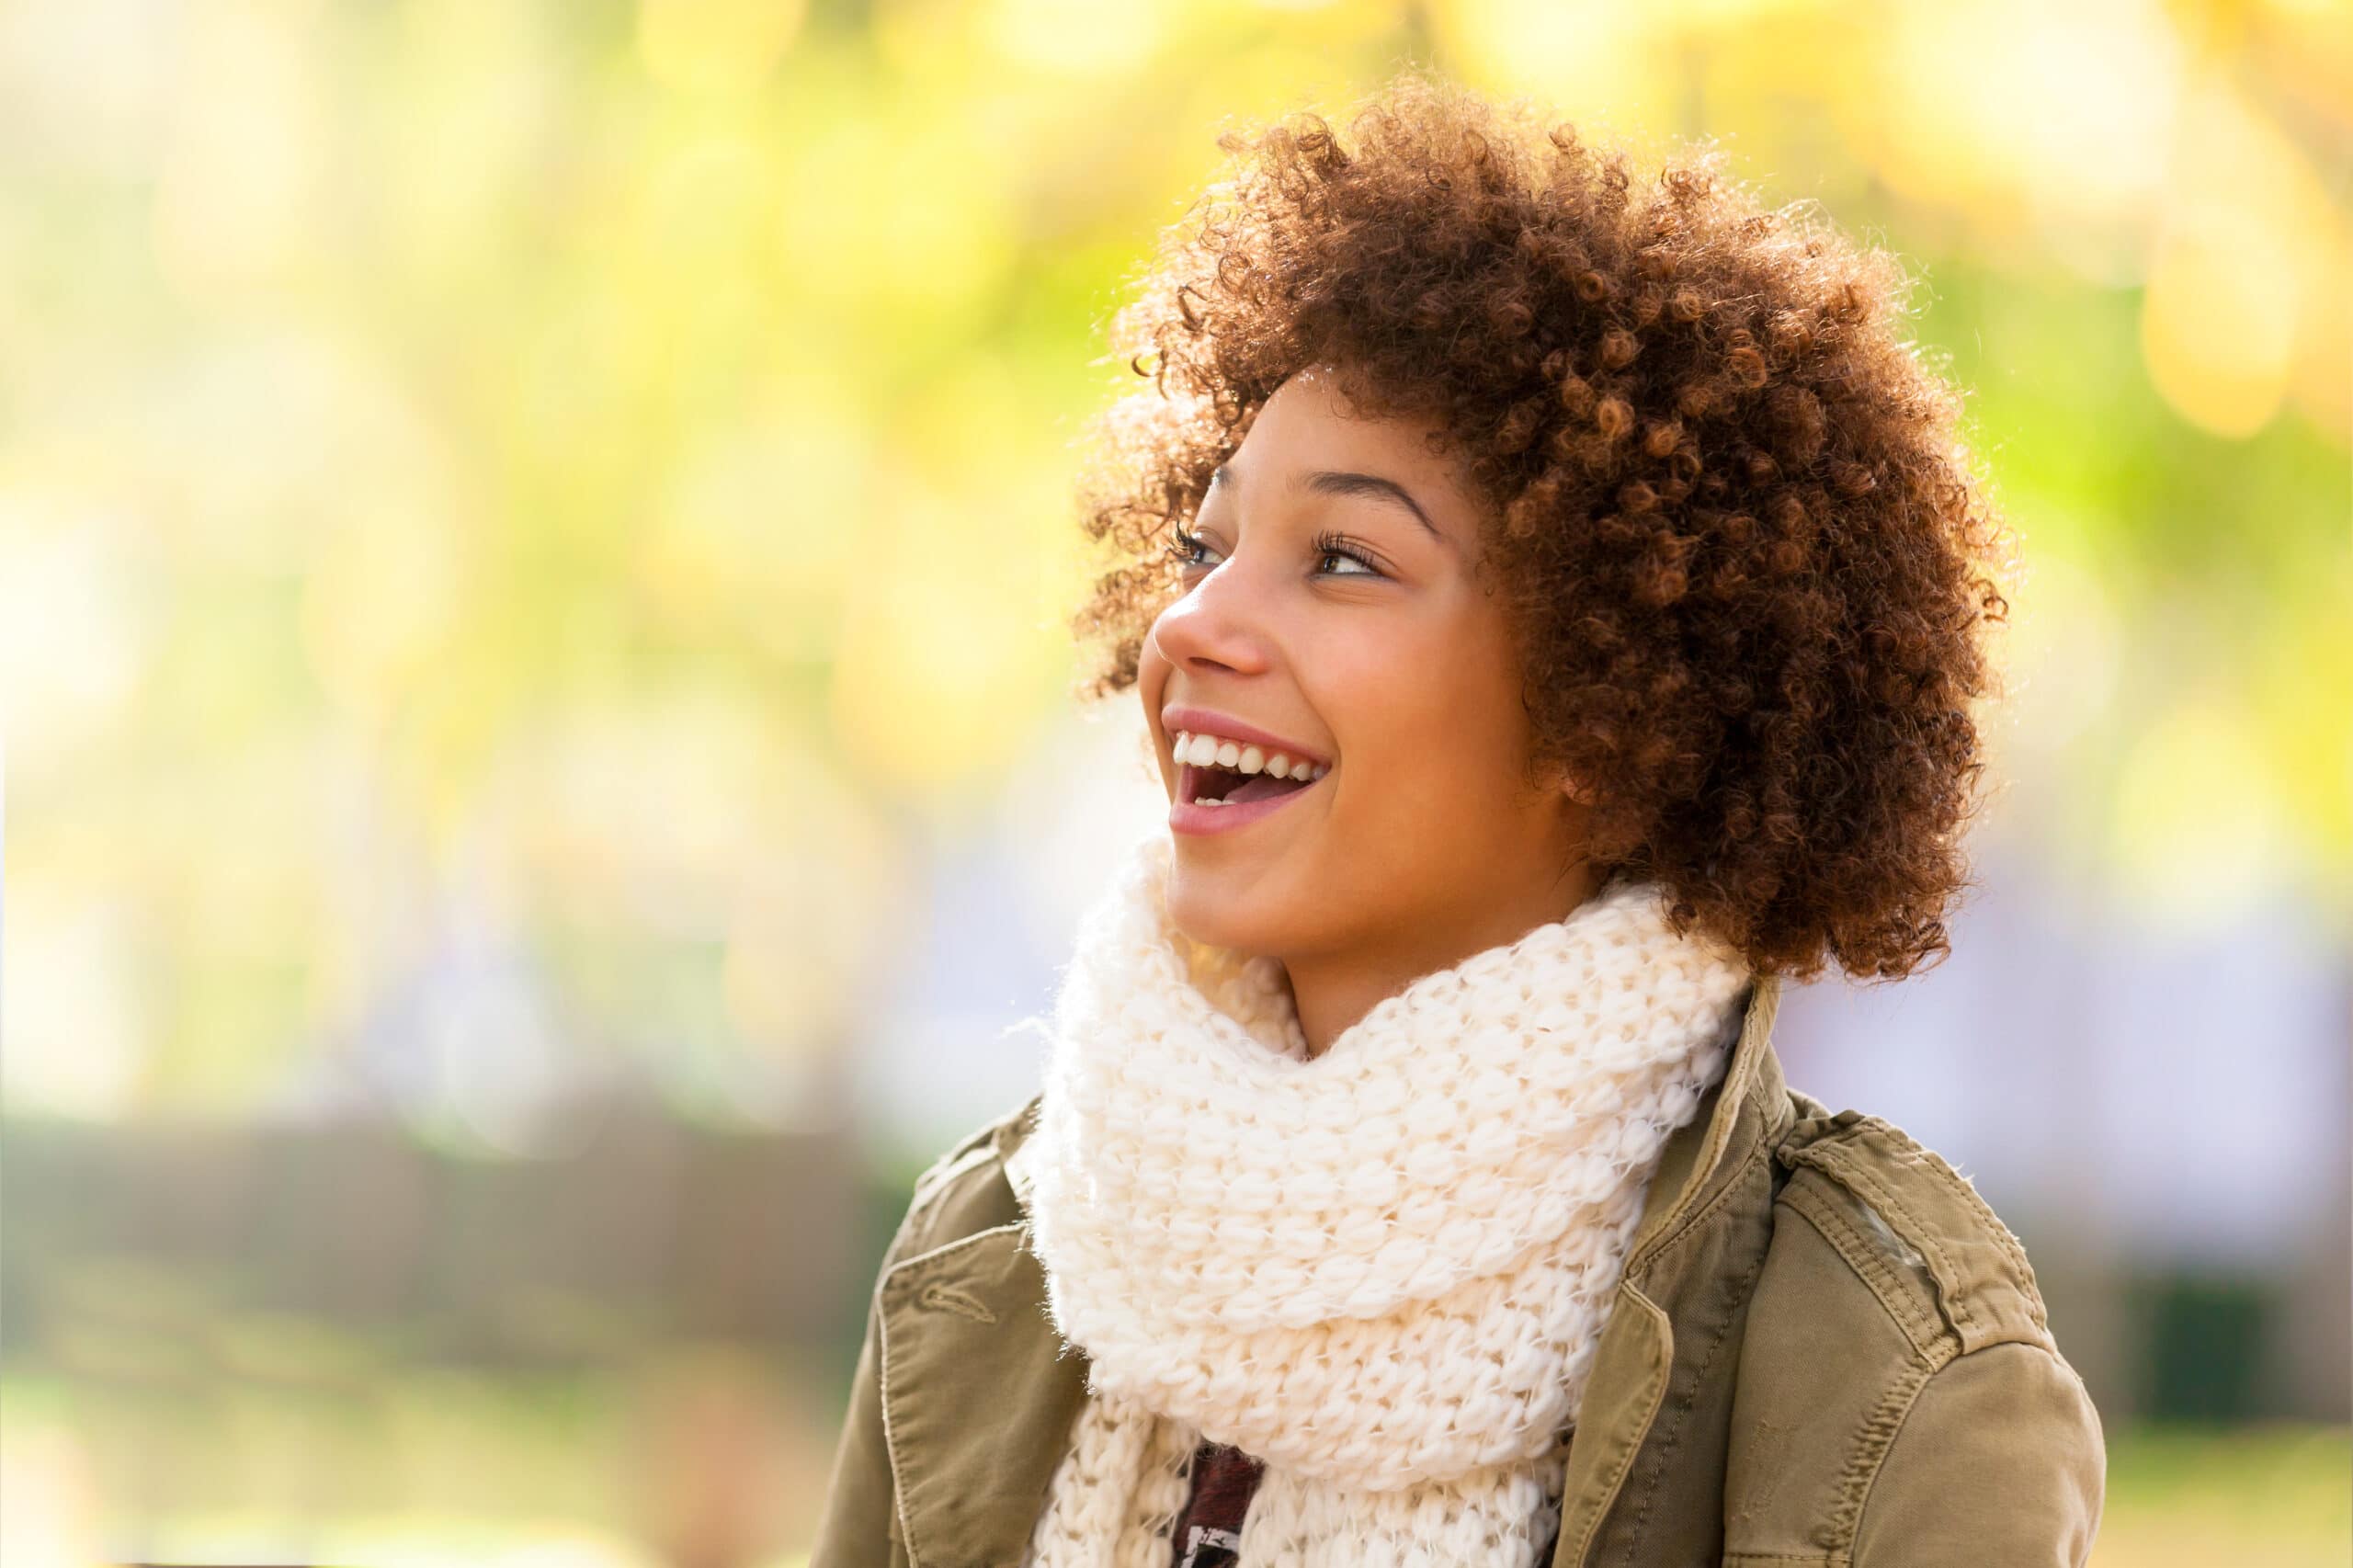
x=1346 y=483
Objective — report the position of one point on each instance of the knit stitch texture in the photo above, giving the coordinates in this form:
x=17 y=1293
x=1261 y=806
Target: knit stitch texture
x=1384 y=1270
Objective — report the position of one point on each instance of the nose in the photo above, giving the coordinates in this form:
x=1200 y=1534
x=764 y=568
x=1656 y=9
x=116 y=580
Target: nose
x=1220 y=623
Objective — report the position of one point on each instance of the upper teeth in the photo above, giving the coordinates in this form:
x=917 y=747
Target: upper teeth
x=1210 y=751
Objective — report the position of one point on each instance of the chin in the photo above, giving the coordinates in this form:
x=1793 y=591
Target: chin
x=1204 y=917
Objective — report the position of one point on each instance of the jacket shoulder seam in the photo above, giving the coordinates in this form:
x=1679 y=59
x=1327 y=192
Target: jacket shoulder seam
x=1871 y=1263
x=1854 y=1151
x=1851 y=1523
x=1883 y=1194
x=1874 y=1443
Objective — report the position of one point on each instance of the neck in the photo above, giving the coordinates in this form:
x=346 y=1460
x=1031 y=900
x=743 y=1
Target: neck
x=1331 y=992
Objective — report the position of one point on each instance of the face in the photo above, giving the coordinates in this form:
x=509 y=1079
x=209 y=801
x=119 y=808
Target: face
x=1324 y=613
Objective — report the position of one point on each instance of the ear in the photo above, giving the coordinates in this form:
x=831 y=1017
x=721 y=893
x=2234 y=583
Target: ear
x=1570 y=785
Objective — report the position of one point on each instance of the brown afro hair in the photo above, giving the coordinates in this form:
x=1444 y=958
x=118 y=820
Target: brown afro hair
x=1744 y=547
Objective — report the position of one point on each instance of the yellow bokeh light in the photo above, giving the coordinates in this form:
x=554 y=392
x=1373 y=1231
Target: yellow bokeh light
x=715 y=46
x=243 y=165
x=938 y=665
x=2323 y=380
x=1604 y=67
x=2218 y=326
x=2065 y=114
x=702 y=204
x=1073 y=37
x=472 y=139
x=379 y=598
x=900 y=221
x=2237 y=259
x=757 y=532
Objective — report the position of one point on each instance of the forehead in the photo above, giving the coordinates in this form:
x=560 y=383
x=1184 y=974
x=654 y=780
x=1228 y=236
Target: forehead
x=1313 y=419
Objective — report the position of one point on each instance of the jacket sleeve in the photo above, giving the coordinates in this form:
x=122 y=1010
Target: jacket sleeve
x=1999 y=1461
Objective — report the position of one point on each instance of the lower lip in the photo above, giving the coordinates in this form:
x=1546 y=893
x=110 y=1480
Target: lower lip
x=1185 y=817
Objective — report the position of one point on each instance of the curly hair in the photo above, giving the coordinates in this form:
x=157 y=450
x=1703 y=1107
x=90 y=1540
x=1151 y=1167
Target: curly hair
x=1745 y=552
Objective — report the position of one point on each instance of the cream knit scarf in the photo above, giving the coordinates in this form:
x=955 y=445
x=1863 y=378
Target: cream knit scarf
x=1382 y=1271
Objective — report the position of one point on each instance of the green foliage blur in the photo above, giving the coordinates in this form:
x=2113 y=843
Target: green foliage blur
x=611 y=462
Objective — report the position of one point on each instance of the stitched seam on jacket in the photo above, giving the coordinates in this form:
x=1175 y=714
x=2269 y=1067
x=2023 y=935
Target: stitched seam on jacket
x=1752 y=1093
x=1786 y=1560
x=1862 y=1503
x=1968 y=1194
x=1875 y=1271
x=924 y=1262
x=890 y=1436
x=961 y=1302
x=912 y=1224
x=1876 y=1438
x=1659 y=1244
x=1609 y=1493
x=1921 y=1234
x=1674 y=1433
x=1877 y=1191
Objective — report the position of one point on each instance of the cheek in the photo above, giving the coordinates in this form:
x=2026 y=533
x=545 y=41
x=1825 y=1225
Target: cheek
x=1433 y=720
x=1151 y=694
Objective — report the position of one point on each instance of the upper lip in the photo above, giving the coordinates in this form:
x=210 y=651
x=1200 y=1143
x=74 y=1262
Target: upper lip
x=1206 y=721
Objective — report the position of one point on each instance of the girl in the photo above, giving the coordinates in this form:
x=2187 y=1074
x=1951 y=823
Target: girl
x=1556 y=607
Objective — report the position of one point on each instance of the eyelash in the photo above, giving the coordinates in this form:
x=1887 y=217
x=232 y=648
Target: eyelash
x=1184 y=542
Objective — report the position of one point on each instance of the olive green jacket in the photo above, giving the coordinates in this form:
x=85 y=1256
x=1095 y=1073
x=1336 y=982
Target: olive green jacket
x=1825 y=1350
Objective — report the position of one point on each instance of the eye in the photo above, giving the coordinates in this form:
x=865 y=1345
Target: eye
x=1182 y=546
x=1328 y=545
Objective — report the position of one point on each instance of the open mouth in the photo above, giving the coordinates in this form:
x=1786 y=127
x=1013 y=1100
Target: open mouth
x=1215 y=786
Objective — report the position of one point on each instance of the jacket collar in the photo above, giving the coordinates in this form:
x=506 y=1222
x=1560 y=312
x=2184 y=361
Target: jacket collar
x=1705 y=1151
x=980 y=1302
x=1745 y=1114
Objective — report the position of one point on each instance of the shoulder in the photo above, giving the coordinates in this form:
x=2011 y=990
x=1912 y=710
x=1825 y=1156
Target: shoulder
x=967 y=1190
x=1912 y=1232
x=1899 y=1384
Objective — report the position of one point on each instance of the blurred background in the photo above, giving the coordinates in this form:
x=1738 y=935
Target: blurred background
x=534 y=544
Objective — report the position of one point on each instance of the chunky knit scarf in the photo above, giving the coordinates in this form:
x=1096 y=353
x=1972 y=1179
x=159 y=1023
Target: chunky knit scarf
x=1382 y=1271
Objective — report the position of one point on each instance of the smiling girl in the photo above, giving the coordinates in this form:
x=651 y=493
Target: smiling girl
x=1335 y=613
x=1556 y=605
